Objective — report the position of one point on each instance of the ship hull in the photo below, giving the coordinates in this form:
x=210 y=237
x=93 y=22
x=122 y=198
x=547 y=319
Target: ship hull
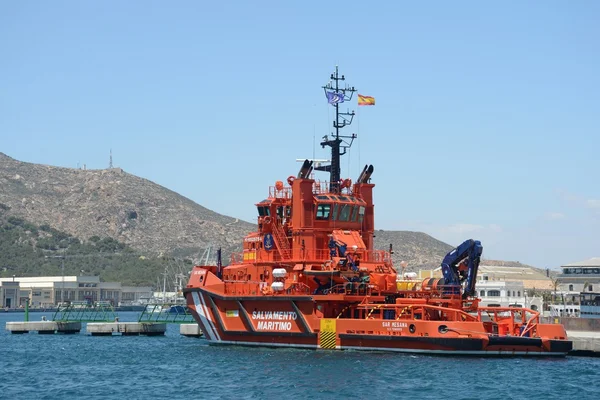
x=291 y=322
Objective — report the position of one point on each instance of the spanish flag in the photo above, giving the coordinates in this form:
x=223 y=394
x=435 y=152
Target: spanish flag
x=366 y=100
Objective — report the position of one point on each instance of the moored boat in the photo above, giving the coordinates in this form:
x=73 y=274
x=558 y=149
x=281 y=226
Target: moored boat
x=310 y=277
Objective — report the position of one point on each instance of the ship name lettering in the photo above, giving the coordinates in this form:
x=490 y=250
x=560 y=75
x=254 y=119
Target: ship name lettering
x=393 y=324
x=274 y=325
x=275 y=315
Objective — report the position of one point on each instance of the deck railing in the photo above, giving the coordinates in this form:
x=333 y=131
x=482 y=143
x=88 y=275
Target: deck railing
x=309 y=256
x=244 y=288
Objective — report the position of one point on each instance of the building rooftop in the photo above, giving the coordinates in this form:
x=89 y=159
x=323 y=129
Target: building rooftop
x=60 y=278
x=541 y=284
x=506 y=273
x=592 y=262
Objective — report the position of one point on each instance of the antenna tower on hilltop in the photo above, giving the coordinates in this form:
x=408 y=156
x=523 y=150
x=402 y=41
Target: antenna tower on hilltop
x=110 y=164
x=336 y=95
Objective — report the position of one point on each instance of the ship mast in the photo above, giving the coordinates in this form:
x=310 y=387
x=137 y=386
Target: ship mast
x=336 y=95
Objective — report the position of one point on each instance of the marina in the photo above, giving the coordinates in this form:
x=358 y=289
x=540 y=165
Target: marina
x=103 y=320
x=300 y=200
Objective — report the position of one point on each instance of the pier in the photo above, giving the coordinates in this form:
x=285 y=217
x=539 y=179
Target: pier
x=102 y=320
x=43 y=327
x=190 y=330
x=126 y=328
x=585 y=343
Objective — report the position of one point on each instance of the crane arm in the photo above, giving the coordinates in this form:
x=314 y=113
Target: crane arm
x=469 y=252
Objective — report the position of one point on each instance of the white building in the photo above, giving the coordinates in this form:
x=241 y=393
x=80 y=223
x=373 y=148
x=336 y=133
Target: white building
x=579 y=277
x=507 y=286
x=135 y=295
x=497 y=293
x=47 y=291
x=9 y=293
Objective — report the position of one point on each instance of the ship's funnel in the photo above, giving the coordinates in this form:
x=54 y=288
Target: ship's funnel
x=366 y=174
x=305 y=170
x=362 y=174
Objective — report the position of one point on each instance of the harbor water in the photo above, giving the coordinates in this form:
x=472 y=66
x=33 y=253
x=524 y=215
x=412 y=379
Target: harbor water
x=34 y=366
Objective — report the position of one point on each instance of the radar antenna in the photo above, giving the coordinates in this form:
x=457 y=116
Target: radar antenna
x=338 y=143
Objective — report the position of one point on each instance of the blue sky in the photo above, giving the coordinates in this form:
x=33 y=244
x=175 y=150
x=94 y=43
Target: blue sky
x=486 y=124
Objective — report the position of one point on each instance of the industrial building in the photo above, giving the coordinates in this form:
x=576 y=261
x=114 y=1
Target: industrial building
x=48 y=291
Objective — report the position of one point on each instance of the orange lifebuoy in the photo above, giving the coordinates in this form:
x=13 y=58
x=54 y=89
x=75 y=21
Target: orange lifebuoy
x=291 y=179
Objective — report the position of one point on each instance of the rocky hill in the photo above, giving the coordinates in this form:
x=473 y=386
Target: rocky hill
x=92 y=205
x=113 y=203
x=417 y=249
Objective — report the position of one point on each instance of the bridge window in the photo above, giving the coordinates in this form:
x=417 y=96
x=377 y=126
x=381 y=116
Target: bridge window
x=518 y=293
x=263 y=211
x=482 y=293
x=345 y=212
x=323 y=211
x=335 y=212
x=354 y=213
x=493 y=293
x=361 y=214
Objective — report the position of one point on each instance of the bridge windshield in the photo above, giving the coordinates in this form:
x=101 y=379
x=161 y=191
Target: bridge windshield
x=323 y=210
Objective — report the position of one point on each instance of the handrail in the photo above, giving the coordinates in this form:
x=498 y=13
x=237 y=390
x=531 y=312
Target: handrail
x=282 y=243
x=310 y=256
x=285 y=193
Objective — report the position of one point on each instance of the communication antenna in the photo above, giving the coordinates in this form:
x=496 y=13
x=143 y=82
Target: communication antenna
x=335 y=95
x=110 y=164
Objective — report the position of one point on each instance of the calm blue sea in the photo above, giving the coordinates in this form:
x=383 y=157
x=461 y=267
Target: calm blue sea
x=79 y=366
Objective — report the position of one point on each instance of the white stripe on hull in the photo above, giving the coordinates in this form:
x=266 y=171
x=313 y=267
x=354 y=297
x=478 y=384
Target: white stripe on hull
x=200 y=311
x=208 y=317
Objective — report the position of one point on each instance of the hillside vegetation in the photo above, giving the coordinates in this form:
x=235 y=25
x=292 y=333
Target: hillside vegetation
x=27 y=249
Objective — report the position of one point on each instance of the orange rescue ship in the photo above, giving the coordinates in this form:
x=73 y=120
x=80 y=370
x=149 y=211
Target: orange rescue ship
x=309 y=277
